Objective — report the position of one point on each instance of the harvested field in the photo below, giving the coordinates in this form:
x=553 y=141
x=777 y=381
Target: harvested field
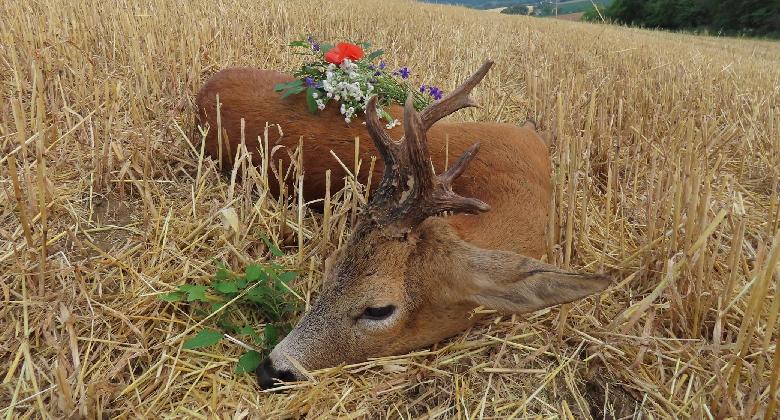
x=667 y=174
x=575 y=17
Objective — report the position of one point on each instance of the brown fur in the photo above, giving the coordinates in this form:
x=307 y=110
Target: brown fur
x=444 y=267
x=511 y=171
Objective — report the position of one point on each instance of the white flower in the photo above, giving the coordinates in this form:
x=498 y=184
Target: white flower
x=392 y=124
x=347 y=120
x=314 y=95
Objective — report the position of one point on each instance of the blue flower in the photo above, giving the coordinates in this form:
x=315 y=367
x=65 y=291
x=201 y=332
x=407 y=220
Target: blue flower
x=371 y=67
x=404 y=72
x=309 y=82
x=435 y=92
x=379 y=73
x=422 y=88
x=382 y=64
x=315 y=46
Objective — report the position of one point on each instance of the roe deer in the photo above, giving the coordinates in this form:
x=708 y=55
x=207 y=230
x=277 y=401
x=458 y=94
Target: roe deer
x=420 y=257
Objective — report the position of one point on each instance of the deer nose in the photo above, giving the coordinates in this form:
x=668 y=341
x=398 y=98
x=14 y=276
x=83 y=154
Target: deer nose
x=268 y=375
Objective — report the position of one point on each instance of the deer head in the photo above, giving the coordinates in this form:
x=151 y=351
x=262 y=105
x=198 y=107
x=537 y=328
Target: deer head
x=405 y=279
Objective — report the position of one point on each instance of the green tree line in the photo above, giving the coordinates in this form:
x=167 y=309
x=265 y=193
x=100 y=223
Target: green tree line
x=728 y=17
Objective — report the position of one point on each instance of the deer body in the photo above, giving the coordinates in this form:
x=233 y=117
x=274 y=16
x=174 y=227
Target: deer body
x=511 y=173
x=407 y=277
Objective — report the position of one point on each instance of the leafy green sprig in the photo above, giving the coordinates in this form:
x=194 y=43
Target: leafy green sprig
x=265 y=289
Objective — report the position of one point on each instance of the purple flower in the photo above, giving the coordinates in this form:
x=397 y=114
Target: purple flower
x=309 y=82
x=435 y=92
x=371 y=67
x=378 y=73
x=422 y=88
x=315 y=46
x=382 y=64
x=404 y=72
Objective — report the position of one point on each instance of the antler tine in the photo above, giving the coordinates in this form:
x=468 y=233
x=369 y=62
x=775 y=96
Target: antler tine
x=460 y=166
x=416 y=148
x=455 y=100
x=445 y=199
x=382 y=140
x=410 y=191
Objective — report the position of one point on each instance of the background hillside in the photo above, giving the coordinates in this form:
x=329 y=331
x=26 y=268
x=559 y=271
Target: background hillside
x=728 y=17
x=481 y=4
x=724 y=17
x=666 y=156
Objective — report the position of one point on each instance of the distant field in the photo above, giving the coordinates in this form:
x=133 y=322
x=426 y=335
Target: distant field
x=666 y=152
x=575 y=17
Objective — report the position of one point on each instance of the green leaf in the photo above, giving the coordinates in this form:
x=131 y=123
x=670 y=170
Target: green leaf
x=288 y=276
x=195 y=292
x=374 y=55
x=324 y=47
x=299 y=44
x=293 y=91
x=282 y=86
x=275 y=251
x=227 y=326
x=248 y=330
x=255 y=272
x=172 y=297
x=258 y=294
x=225 y=287
x=387 y=117
x=310 y=101
x=217 y=306
x=271 y=335
x=204 y=338
x=222 y=274
x=248 y=362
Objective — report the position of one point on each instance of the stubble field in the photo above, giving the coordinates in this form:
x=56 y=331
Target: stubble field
x=667 y=176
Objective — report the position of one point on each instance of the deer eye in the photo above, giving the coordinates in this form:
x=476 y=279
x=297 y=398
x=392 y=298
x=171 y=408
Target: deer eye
x=378 y=313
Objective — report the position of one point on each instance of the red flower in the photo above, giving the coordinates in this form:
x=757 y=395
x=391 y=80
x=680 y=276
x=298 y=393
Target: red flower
x=342 y=51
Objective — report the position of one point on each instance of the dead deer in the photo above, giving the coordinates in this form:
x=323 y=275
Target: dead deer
x=421 y=257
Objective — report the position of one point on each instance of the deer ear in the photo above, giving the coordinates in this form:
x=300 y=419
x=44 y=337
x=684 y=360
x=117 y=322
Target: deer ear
x=510 y=282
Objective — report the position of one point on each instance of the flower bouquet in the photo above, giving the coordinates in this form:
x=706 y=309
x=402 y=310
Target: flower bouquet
x=344 y=73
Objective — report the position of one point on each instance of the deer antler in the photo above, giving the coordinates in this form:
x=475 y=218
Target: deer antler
x=410 y=191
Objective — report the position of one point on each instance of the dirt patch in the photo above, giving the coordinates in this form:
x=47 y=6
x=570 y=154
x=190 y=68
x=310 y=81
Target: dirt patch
x=111 y=216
